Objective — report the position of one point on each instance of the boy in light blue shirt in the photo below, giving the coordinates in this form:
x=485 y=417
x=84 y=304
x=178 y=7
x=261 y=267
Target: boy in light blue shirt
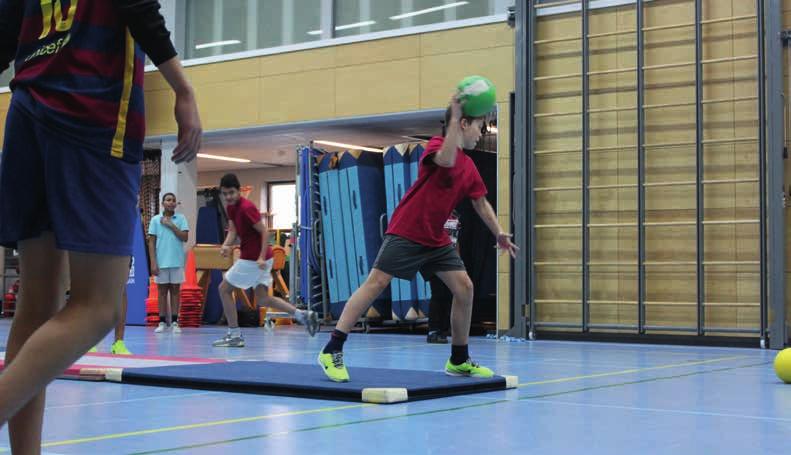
x=166 y=236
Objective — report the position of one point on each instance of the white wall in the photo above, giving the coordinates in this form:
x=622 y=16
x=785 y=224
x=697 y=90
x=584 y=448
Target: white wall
x=257 y=178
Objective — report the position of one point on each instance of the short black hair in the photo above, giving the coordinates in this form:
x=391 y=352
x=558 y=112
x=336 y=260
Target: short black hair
x=165 y=196
x=230 y=181
x=448 y=114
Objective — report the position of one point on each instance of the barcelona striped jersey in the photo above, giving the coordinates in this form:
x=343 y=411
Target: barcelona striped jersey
x=83 y=73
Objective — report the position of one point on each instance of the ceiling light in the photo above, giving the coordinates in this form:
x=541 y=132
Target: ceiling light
x=345 y=27
x=428 y=10
x=348 y=146
x=222 y=158
x=218 y=44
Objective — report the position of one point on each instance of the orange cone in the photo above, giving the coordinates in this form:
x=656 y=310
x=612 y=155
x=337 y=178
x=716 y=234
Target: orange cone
x=191 y=274
x=191 y=310
x=152 y=289
x=152 y=304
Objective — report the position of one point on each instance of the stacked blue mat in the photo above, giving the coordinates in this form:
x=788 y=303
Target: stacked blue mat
x=352 y=202
x=209 y=230
x=308 y=260
x=410 y=299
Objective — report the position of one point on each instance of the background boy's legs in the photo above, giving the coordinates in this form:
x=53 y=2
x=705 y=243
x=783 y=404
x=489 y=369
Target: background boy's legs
x=229 y=304
x=234 y=336
x=304 y=317
x=175 y=303
x=93 y=308
x=162 y=300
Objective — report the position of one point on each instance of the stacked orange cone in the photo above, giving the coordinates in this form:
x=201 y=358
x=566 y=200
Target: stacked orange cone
x=152 y=304
x=191 y=309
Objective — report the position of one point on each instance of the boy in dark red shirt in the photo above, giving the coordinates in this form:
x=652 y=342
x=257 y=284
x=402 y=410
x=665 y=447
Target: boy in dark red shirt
x=254 y=267
x=70 y=178
x=416 y=241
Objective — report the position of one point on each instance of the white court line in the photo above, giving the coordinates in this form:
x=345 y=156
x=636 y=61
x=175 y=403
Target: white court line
x=660 y=410
x=131 y=400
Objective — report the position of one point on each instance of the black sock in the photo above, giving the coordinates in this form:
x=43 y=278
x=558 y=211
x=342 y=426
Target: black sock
x=163 y=319
x=337 y=338
x=459 y=354
x=175 y=319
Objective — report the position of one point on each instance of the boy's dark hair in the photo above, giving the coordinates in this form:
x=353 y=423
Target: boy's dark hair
x=165 y=196
x=464 y=117
x=230 y=181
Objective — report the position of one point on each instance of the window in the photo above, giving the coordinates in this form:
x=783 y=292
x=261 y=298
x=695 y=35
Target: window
x=281 y=203
x=6 y=77
x=355 y=17
x=216 y=27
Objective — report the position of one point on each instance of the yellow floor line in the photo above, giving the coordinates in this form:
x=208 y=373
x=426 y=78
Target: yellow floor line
x=202 y=425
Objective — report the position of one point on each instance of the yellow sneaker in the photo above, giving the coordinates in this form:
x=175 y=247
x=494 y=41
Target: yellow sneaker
x=468 y=368
x=333 y=366
x=119 y=348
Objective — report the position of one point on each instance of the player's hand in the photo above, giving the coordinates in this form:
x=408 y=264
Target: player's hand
x=190 y=130
x=261 y=263
x=155 y=270
x=455 y=108
x=166 y=221
x=504 y=244
x=225 y=251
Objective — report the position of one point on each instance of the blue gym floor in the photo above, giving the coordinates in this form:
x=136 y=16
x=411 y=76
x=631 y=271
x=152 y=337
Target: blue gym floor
x=574 y=398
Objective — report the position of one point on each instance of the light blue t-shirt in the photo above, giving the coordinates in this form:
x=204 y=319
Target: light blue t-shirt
x=170 y=249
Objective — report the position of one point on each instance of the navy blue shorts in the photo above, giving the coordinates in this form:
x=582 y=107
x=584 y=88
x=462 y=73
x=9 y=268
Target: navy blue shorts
x=51 y=183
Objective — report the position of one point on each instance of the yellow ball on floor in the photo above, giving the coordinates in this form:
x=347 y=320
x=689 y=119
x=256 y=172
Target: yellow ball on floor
x=783 y=365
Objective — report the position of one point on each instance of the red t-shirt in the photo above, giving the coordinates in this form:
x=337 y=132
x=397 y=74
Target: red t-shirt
x=245 y=215
x=421 y=214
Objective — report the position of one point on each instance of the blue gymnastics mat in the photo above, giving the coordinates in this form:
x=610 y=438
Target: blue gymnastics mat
x=370 y=385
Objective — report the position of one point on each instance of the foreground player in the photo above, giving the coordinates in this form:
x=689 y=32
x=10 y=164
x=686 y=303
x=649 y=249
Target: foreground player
x=70 y=178
x=253 y=270
x=416 y=241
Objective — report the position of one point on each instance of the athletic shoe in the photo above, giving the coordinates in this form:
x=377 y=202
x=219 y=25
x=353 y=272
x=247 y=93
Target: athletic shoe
x=436 y=337
x=119 y=348
x=468 y=368
x=176 y=328
x=161 y=327
x=333 y=366
x=229 y=341
x=309 y=319
x=312 y=323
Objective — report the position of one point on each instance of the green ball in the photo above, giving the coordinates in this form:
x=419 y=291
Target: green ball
x=783 y=365
x=477 y=95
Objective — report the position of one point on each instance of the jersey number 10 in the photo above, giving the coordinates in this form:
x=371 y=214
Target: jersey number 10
x=53 y=11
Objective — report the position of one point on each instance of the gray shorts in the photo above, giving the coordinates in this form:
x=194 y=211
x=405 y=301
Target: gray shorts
x=403 y=258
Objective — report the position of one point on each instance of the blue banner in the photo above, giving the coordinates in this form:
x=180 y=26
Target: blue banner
x=137 y=285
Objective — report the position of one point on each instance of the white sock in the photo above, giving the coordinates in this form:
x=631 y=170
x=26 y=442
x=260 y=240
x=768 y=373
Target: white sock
x=301 y=316
x=237 y=332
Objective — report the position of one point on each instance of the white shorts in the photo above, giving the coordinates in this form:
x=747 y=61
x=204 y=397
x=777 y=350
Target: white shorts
x=246 y=274
x=174 y=275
